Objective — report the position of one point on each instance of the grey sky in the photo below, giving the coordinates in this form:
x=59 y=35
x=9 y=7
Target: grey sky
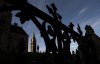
x=77 y=11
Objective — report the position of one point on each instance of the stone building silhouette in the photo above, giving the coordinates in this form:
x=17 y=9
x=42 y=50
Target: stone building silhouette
x=12 y=37
x=18 y=39
x=33 y=43
x=5 y=23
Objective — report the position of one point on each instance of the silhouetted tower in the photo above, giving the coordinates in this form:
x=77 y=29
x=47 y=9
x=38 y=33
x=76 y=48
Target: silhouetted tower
x=33 y=43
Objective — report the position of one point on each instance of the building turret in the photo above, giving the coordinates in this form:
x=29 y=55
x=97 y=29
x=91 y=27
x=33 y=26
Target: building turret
x=33 y=43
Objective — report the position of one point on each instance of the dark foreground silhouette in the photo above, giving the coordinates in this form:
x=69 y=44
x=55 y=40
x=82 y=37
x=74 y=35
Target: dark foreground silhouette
x=57 y=38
